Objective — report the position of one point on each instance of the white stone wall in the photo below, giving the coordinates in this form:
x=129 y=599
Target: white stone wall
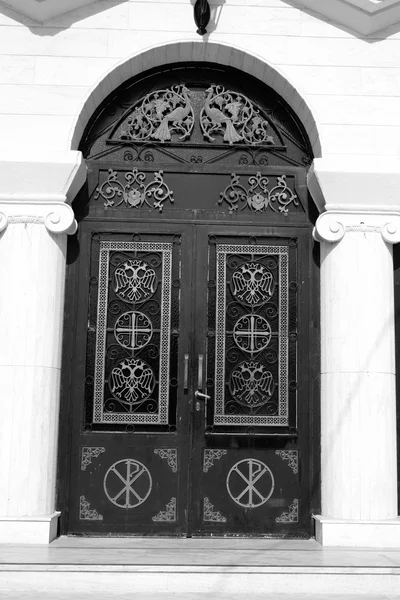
x=47 y=70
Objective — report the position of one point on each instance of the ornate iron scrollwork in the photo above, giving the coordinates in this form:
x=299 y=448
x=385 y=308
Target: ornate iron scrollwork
x=251 y=336
x=171 y=455
x=86 y=513
x=251 y=384
x=132 y=381
x=291 y=515
x=212 y=515
x=133 y=330
x=159 y=115
x=292 y=456
x=134 y=194
x=252 y=284
x=235 y=116
x=209 y=456
x=135 y=281
x=89 y=452
x=169 y=514
x=258 y=197
x=252 y=333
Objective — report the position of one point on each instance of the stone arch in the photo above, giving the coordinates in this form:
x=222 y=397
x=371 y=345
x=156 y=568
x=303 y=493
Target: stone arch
x=215 y=52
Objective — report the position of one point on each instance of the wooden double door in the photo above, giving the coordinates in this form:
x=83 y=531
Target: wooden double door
x=190 y=385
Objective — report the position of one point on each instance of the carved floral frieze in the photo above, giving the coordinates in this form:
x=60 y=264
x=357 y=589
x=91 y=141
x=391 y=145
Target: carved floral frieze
x=134 y=192
x=224 y=116
x=160 y=115
x=234 y=116
x=259 y=196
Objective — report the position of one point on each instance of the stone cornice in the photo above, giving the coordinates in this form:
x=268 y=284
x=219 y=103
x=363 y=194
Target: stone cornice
x=58 y=217
x=363 y=16
x=42 y=10
x=40 y=176
x=358 y=184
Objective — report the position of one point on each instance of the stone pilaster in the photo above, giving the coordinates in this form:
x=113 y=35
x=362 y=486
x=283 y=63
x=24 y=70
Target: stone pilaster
x=34 y=225
x=358 y=400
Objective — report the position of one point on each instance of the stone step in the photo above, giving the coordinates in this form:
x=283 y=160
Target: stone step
x=189 y=596
x=217 y=569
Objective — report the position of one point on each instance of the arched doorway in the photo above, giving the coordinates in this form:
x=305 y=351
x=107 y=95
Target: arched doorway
x=191 y=314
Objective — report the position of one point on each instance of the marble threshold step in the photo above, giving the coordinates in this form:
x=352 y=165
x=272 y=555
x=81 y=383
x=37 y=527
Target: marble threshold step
x=194 y=569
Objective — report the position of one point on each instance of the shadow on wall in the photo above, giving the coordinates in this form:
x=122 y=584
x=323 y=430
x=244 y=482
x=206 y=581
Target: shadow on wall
x=377 y=36
x=64 y=21
x=56 y=24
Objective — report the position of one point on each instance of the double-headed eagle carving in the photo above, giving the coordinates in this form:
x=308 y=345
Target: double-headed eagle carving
x=131 y=381
x=252 y=284
x=251 y=384
x=135 y=281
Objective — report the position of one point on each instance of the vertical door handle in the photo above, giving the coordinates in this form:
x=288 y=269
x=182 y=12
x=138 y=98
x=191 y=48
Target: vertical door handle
x=199 y=394
x=186 y=372
x=200 y=372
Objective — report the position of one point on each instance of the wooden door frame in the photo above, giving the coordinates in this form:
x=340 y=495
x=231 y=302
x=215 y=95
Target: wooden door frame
x=71 y=300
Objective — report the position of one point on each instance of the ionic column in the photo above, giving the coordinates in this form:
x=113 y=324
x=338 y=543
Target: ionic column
x=358 y=398
x=33 y=239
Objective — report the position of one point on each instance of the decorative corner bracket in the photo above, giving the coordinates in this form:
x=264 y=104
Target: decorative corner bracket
x=332 y=226
x=169 y=514
x=57 y=217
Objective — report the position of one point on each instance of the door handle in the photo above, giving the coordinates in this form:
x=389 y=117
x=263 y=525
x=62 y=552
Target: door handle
x=186 y=372
x=200 y=372
x=198 y=394
x=201 y=395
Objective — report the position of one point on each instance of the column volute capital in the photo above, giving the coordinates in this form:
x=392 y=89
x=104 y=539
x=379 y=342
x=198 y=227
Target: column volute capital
x=38 y=189
x=332 y=225
x=57 y=217
x=358 y=194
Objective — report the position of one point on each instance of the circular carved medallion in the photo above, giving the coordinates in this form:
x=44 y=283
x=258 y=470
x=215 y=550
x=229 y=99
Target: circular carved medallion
x=127 y=483
x=133 y=330
x=251 y=384
x=134 y=281
x=250 y=483
x=252 y=333
x=131 y=381
x=252 y=284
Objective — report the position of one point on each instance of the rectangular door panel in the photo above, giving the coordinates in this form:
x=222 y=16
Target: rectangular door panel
x=249 y=490
x=247 y=423
x=130 y=460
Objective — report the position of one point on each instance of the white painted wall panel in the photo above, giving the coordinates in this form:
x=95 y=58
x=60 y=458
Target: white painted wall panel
x=353 y=84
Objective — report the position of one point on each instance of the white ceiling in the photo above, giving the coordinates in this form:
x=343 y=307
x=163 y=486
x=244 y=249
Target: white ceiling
x=362 y=16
